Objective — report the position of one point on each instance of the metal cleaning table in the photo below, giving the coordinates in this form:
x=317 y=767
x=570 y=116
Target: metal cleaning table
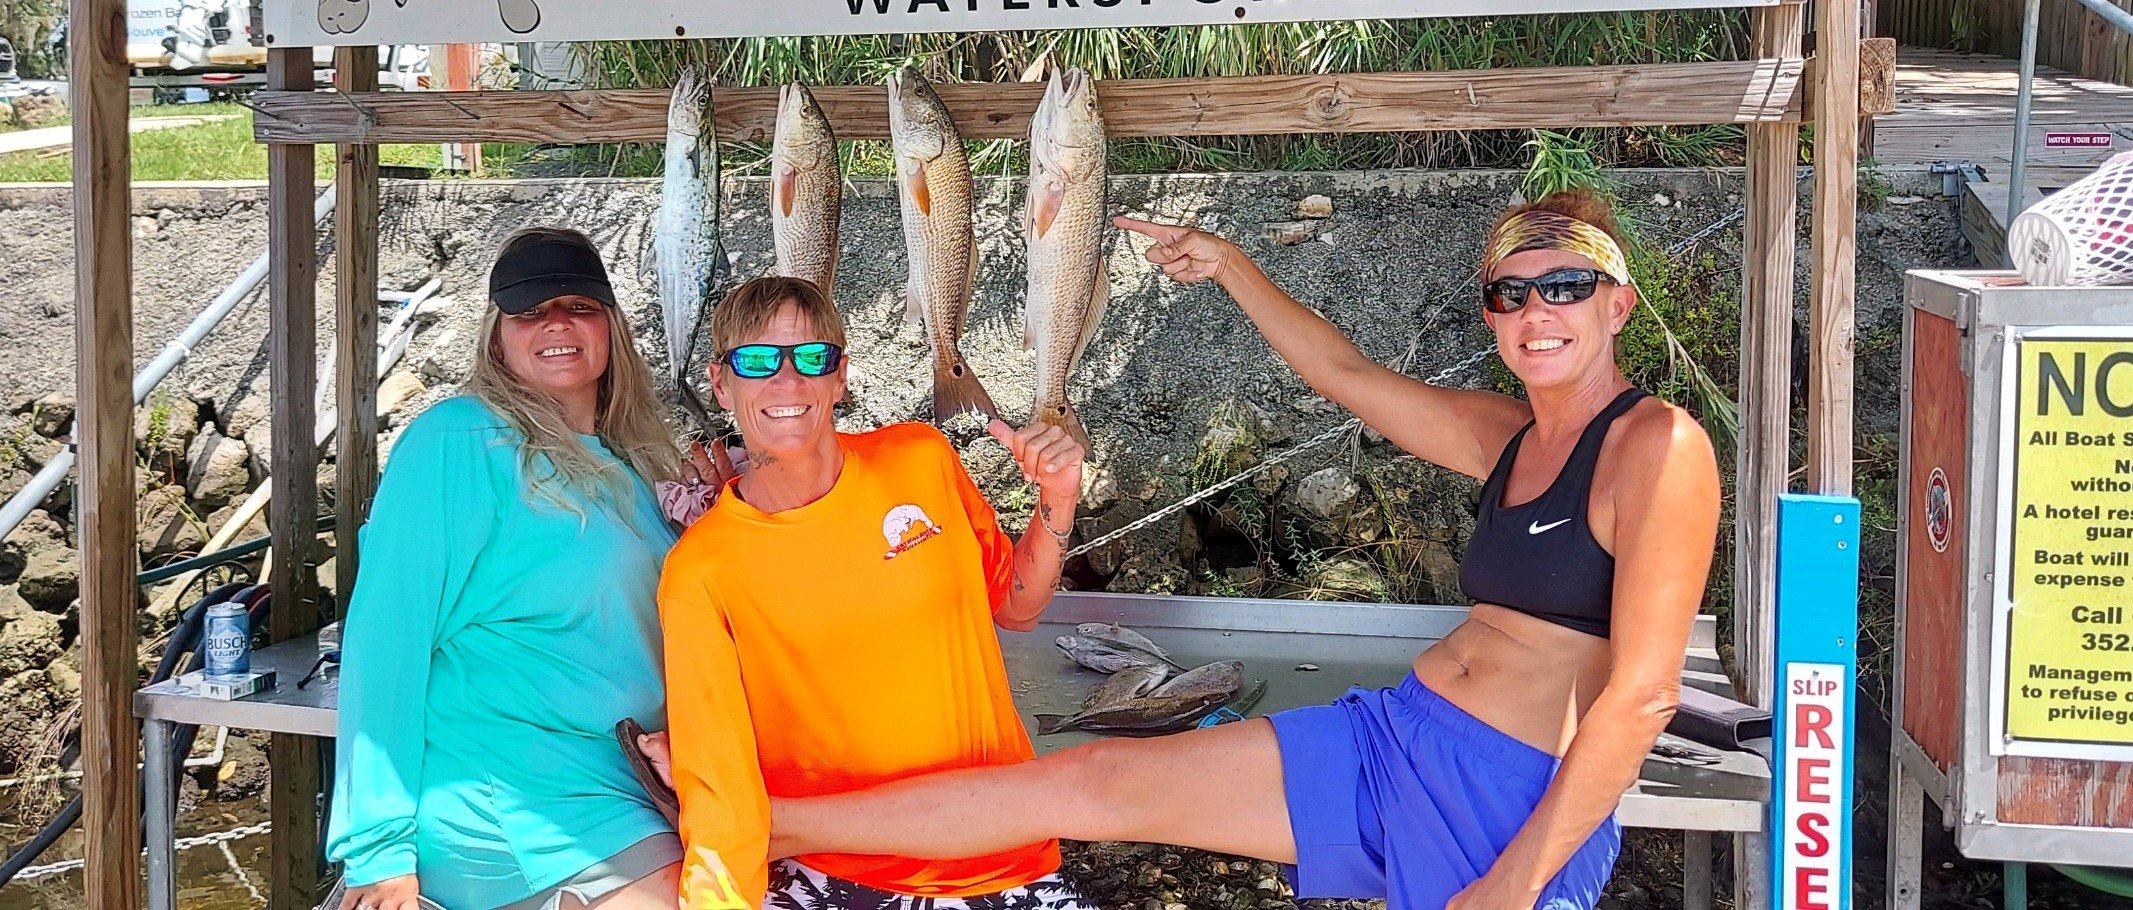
x=1350 y=644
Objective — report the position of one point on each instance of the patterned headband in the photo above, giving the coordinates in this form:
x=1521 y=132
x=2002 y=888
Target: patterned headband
x=1536 y=229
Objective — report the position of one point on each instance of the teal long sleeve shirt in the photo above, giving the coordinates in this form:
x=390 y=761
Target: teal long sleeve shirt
x=492 y=642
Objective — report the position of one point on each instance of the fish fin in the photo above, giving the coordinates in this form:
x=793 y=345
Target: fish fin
x=785 y=189
x=914 y=312
x=1030 y=334
x=1065 y=418
x=1048 y=724
x=956 y=390
x=1099 y=301
x=921 y=195
x=1045 y=202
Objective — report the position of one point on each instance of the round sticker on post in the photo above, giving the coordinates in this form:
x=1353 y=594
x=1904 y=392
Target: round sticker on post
x=1940 y=511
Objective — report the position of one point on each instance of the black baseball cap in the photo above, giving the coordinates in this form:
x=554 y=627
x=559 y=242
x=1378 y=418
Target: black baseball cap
x=539 y=266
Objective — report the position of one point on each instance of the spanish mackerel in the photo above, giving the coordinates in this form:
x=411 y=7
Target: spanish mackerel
x=690 y=259
x=1064 y=228
x=933 y=187
x=806 y=190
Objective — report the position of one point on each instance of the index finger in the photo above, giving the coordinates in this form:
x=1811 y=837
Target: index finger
x=722 y=460
x=1163 y=233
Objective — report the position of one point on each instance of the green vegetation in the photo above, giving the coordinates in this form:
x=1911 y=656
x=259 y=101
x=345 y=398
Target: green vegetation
x=1197 y=51
x=222 y=149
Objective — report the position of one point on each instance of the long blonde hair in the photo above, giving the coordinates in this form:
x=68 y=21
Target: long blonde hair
x=627 y=419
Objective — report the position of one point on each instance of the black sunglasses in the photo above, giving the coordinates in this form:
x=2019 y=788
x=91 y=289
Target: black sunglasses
x=762 y=361
x=1560 y=287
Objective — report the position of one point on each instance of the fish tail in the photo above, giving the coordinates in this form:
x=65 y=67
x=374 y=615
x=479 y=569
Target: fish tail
x=1048 y=724
x=956 y=389
x=1064 y=417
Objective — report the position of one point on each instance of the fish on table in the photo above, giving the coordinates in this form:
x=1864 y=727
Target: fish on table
x=935 y=195
x=1175 y=705
x=1111 y=631
x=1063 y=228
x=1124 y=685
x=688 y=256
x=1107 y=656
x=806 y=190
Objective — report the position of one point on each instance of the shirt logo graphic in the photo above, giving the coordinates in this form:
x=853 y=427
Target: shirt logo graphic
x=1537 y=527
x=906 y=526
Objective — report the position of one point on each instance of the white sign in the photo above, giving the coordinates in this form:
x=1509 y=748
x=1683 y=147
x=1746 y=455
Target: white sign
x=1817 y=820
x=343 y=22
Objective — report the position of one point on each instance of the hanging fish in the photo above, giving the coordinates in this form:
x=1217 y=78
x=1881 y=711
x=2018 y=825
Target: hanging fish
x=934 y=189
x=1064 y=228
x=690 y=260
x=806 y=190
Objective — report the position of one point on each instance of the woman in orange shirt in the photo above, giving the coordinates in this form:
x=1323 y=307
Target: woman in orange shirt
x=830 y=621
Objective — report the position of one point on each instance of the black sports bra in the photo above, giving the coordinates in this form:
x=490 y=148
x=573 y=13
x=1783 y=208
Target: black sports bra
x=1539 y=557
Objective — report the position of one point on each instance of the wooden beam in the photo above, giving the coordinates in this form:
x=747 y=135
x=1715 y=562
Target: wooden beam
x=292 y=291
x=1836 y=201
x=104 y=502
x=355 y=382
x=1765 y=445
x=1746 y=91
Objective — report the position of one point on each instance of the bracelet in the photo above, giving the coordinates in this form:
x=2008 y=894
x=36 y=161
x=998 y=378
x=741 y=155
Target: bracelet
x=1061 y=536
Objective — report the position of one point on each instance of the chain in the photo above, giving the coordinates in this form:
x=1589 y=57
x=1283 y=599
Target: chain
x=243 y=878
x=219 y=838
x=1265 y=465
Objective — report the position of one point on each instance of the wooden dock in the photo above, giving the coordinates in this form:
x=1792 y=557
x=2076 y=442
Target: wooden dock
x=1960 y=107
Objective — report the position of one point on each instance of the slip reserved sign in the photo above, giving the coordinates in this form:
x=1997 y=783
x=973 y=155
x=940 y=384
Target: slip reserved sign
x=1816 y=833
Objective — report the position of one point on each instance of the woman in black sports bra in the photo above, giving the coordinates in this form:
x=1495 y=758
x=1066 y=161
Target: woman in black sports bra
x=1488 y=779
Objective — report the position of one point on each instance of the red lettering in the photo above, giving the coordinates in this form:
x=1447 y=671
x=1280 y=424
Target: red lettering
x=1810 y=827
x=1811 y=719
x=1805 y=887
x=1807 y=785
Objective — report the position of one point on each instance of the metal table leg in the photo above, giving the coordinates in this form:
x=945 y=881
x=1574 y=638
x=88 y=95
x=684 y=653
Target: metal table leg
x=1906 y=836
x=1696 y=873
x=159 y=769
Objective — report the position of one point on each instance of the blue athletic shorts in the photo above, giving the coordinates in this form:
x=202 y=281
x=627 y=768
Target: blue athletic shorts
x=1398 y=794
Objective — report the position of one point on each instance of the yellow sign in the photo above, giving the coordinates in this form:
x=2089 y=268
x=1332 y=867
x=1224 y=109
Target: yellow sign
x=2070 y=543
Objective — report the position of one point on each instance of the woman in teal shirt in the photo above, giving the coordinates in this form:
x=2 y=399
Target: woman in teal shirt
x=504 y=618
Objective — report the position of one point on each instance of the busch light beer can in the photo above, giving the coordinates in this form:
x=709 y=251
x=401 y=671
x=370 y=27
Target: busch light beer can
x=226 y=643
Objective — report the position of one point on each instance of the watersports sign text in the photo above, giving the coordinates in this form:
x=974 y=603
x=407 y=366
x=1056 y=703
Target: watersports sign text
x=2067 y=519
x=342 y=22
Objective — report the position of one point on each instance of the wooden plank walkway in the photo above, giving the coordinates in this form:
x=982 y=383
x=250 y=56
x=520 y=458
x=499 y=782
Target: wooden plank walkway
x=1960 y=107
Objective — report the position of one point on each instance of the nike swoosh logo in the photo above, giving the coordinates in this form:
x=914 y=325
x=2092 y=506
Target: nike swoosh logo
x=1537 y=527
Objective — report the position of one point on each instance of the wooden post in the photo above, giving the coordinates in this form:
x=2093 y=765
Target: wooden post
x=104 y=502
x=1836 y=202
x=1765 y=446
x=292 y=291
x=355 y=231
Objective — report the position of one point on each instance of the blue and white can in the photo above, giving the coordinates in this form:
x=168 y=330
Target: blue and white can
x=226 y=642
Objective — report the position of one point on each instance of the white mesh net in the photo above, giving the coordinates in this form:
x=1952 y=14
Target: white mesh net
x=2081 y=235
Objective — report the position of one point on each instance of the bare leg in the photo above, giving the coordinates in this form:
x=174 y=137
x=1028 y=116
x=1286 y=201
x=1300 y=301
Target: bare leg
x=1216 y=789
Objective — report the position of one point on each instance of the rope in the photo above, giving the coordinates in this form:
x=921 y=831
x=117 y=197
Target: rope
x=219 y=838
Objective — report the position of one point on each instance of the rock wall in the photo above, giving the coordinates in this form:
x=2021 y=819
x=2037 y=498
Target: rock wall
x=1177 y=389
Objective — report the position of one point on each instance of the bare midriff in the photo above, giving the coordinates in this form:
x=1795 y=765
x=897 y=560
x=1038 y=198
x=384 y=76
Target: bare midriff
x=1528 y=678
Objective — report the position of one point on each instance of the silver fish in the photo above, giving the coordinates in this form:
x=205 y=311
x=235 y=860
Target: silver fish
x=1111 y=631
x=1069 y=285
x=933 y=187
x=1105 y=656
x=1129 y=683
x=806 y=190
x=690 y=259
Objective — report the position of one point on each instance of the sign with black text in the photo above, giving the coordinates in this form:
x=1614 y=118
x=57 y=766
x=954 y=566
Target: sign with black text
x=2065 y=591
x=344 y=22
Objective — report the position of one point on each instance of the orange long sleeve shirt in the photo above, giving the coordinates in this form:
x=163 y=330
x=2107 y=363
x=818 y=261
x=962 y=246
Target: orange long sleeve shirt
x=837 y=646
